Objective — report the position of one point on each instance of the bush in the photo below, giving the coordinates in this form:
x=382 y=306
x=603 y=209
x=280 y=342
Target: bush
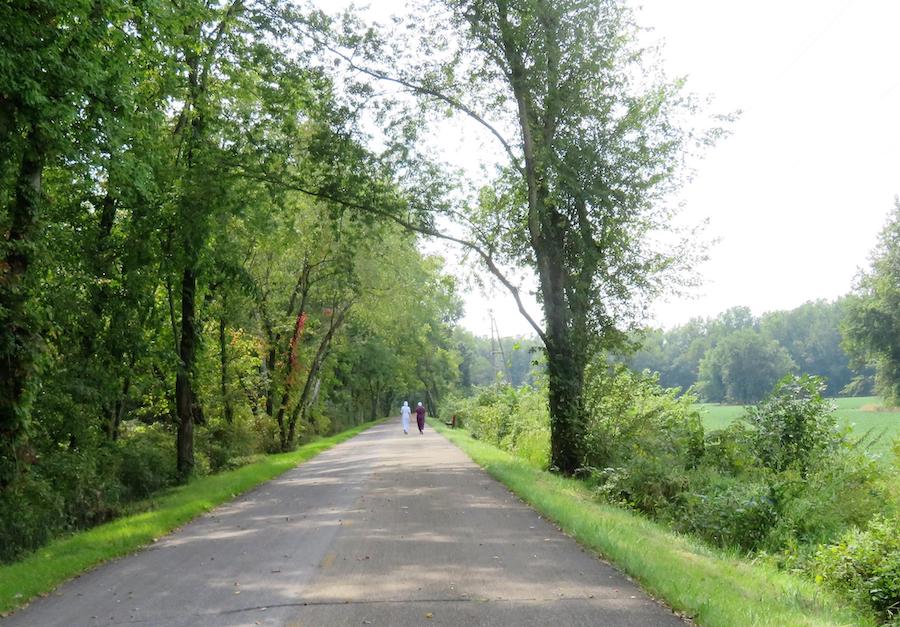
x=845 y=489
x=865 y=565
x=647 y=483
x=147 y=459
x=516 y=420
x=794 y=426
x=87 y=481
x=31 y=513
x=729 y=512
x=629 y=416
x=640 y=439
x=730 y=450
x=221 y=441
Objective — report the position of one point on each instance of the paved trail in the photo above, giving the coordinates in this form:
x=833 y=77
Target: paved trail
x=385 y=529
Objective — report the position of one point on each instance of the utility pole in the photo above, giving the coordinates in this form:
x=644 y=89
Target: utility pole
x=497 y=349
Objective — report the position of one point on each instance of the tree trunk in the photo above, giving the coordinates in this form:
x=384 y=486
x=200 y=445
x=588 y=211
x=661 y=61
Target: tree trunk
x=18 y=341
x=184 y=392
x=566 y=398
x=223 y=361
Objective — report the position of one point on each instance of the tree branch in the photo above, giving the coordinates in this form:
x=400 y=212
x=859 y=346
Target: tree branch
x=485 y=256
x=419 y=88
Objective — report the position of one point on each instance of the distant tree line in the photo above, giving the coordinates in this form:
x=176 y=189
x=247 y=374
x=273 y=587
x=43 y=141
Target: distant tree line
x=737 y=357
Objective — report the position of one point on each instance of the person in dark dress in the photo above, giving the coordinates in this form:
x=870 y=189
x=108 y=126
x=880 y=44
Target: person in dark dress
x=420 y=417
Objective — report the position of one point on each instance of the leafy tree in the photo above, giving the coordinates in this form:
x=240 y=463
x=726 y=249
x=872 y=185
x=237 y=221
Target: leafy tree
x=592 y=154
x=811 y=335
x=66 y=72
x=743 y=367
x=872 y=326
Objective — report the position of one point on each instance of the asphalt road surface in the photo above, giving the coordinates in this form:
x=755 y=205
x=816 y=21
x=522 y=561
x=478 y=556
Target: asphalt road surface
x=385 y=529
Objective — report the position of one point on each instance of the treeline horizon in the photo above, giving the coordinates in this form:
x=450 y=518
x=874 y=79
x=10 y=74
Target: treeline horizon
x=736 y=357
x=732 y=357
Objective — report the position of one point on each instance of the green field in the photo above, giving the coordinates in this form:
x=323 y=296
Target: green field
x=865 y=414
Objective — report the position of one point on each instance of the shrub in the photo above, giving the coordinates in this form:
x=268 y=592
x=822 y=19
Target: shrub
x=730 y=450
x=640 y=439
x=794 y=426
x=647 y=483
x=147 y=460
x=630 y=416
x=843 y=490
x=728 y=512
x=31 y=513
x=221 y=441
x=865 y=565
x=514 y=419
x=87 y=481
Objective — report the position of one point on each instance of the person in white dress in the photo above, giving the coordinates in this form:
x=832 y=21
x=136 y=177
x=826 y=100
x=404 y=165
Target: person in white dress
x=404 y=416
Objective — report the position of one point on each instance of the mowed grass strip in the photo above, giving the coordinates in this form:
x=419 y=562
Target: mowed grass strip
x=711 y=587
x=62 y=559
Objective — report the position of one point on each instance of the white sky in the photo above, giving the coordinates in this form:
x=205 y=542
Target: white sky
x=799 y=191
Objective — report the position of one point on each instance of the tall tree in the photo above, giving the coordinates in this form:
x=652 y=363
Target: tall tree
x=872 y=326
x=57 y=58
x=593 y=142
x=743 y=367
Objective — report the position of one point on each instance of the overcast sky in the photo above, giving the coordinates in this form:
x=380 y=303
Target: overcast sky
x=798 y=192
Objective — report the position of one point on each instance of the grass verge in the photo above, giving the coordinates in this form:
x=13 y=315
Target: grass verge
x=711 y=587
x=64 y=558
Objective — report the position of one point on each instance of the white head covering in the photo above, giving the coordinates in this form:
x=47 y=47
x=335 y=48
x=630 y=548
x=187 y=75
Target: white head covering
x=420 y=403
x=405 y=404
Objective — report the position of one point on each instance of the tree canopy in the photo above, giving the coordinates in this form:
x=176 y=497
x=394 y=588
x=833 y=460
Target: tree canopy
x=872 y=327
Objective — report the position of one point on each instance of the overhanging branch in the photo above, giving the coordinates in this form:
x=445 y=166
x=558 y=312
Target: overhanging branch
x=421 y=89
x=424 y=230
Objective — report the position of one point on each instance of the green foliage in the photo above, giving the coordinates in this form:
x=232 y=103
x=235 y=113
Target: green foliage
x=727 y=511
x=32 y=513
x=873 y=312
x=794 y=427
x=865 y=564
x=147 y=460
x=743 y=367
x=809 y=334
x=513 y=419
x=782 y=483
x=631 y=417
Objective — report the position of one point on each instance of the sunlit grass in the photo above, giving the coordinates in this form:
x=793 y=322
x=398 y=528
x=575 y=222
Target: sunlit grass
x=866 y=415
x=40 y=572
x=712 y=587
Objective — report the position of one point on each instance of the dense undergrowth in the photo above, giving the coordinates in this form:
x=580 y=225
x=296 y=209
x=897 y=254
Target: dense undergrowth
x=789 y=486
x=76 y=488
x=41 y=571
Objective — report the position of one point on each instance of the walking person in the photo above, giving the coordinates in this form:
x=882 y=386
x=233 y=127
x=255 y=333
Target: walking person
x=420 y=417
x=404 y=417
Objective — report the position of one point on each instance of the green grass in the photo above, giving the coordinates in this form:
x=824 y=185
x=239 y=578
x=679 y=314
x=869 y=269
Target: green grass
x=864 y=414
x=712 y=587
x=43 y=570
